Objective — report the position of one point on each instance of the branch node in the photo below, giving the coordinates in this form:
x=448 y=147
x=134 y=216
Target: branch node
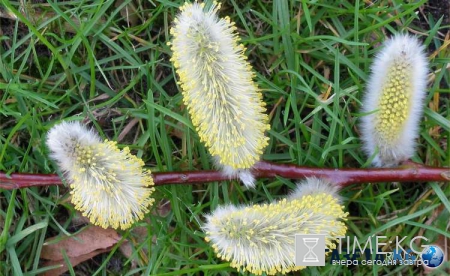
x=446 y=175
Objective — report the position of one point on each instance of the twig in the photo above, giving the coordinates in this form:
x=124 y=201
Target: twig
x=408 y=172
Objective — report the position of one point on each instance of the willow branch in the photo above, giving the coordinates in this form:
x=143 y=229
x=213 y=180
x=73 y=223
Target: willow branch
x=409 y=172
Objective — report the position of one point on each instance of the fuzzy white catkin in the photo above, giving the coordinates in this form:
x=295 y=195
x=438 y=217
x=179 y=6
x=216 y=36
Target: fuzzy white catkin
x=394 y=98
x=224 y=103
x=260 y=238
x=108 y=185
x=315 y=185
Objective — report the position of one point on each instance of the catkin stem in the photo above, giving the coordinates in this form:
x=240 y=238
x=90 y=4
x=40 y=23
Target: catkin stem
x=408 y=172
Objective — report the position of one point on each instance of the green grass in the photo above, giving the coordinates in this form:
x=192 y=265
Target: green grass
x=84 y=60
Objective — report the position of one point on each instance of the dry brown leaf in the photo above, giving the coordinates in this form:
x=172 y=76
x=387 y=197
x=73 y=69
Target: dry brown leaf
x=73 y=261
x=91 y=239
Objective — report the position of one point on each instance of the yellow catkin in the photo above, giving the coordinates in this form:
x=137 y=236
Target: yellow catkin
x=110 y=186
x=394 y=103
x=252 y=237
x=224 y=103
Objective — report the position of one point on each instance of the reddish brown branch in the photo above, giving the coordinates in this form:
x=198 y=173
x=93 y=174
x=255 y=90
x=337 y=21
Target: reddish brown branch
x=24 y=180
x=408 y=172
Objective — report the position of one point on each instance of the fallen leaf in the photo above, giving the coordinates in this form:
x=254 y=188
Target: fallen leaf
x=91 y=239
x=73 y=261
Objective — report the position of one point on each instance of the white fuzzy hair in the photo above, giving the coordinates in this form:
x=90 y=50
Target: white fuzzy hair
x=64 y=137
x=108 y=185
x=407 y=51
x=314 y=185
x=245 y=175
x=224 y=103
x=260 y=238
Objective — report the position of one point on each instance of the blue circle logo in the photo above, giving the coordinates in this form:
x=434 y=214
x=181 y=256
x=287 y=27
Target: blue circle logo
x=433 y=256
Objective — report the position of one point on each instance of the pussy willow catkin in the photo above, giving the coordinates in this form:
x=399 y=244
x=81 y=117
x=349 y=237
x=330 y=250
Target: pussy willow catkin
x=260 y=238
x=108 y=185
x=395 y=99
x=224 y=103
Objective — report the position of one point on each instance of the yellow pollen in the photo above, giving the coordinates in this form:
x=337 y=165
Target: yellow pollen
x=394 y=103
